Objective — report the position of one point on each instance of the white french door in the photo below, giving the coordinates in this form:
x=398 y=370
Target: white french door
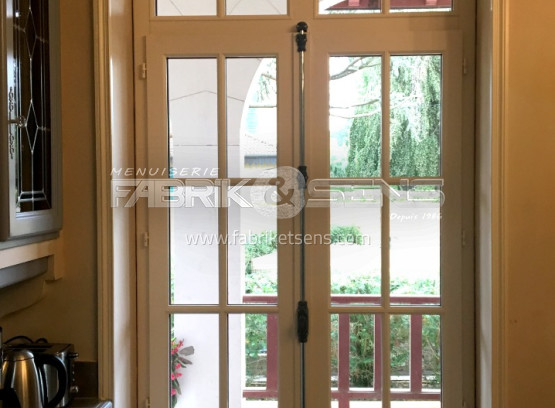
x=383 y=273
x=208 y=281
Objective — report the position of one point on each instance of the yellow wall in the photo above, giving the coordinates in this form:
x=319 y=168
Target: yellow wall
x=67 y=313
x=530 y=205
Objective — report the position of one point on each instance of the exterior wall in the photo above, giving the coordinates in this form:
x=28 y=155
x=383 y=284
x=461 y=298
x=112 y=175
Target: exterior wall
x=529 y=223
x=67 y=313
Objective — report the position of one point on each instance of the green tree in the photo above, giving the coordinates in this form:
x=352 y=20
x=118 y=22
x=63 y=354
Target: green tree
x=415 y=119
x=403 y=152
x=364 y=144
x=415 y=116
x=428 y=152
x=355 y=111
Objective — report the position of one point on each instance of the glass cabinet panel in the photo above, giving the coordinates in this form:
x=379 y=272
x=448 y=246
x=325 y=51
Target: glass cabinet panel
x=31 y=107
x=30 y=176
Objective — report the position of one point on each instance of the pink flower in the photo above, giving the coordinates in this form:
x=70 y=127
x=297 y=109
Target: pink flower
x=177 y=366
x=173 y=376
x=174 y=391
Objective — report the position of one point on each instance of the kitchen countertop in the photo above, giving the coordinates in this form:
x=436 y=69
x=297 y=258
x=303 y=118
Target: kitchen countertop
x=90 y=403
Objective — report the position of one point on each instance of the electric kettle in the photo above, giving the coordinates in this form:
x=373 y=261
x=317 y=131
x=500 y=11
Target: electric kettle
x=24 y=374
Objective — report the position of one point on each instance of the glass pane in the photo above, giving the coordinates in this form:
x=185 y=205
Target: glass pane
x=355 y=249
x=29 y=103
x=194 y=361
x=186 y=7
x=415 y=245
x=415 y=116
x=194 y=248
x=355 y=116
x=256 y=7
x=253 y=360
x=349 y=6
x=398 y=6
x=415 y=361
x=400 y=352
x=356 y=364
x=252 y=251
x=251 y=116
x=431 y=352
x=193 y=117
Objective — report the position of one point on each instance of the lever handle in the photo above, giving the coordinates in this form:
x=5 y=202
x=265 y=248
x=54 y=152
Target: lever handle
x=302 y=29
x=19 y=122
x=302 y=321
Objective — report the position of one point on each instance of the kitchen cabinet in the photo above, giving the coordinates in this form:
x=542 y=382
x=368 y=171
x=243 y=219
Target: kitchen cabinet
x=30 y=152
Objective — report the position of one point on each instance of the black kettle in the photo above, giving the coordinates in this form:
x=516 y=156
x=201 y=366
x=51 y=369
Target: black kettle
x=23 y=375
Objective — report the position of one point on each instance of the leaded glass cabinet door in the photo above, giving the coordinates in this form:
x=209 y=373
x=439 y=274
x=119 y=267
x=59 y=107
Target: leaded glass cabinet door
x=31 y=200
x=383 y=210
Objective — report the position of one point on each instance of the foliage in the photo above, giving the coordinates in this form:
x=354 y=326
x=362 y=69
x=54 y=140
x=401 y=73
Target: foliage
x=360 y=130
x=362 y=332
x=177 y=363
x=414 y=123
x=265 y=243
x=424 y=287
x=362 y=343
x=356 y=285
x=399 y=344
x=415 y=115
x=266 y=88
x=260 y=244
x=255 y=346
x=260 y=282
x=349 y=234
x=431 y=349
x=362 y=340
x=364 y=144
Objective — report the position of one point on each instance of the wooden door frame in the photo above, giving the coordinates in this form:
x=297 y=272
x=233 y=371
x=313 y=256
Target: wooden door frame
x=113 y=25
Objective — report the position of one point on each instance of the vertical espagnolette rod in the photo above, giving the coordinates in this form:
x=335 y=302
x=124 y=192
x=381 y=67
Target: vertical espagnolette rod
x=301 y=39
x=302 y=308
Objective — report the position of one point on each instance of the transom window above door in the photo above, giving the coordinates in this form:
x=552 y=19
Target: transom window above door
x=280 y=7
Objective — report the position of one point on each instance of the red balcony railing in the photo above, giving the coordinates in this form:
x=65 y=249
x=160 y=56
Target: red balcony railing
x=395 y=4
x=344 y=393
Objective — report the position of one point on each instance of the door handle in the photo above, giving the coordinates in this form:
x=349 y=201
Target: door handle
x=18 y=121
x=302 y=321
